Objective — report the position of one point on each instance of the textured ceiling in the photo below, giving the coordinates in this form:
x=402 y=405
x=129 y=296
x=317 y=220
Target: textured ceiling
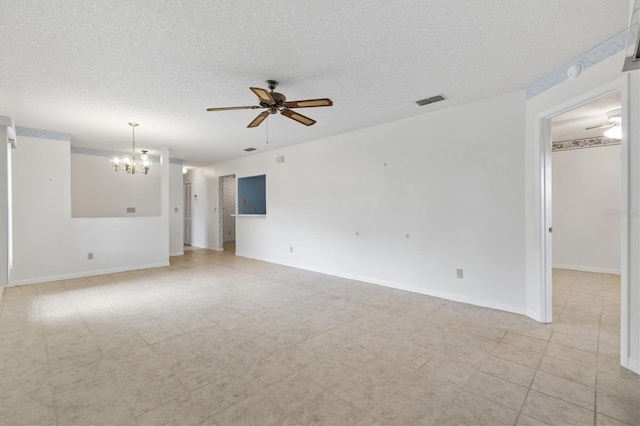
x=88 y=67
x=572 y=124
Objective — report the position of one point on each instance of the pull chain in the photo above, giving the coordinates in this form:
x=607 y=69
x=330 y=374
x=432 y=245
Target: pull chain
x=267 y=129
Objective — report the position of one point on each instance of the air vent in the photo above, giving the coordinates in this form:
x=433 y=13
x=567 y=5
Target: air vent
x=431 y=100
x=249 y=149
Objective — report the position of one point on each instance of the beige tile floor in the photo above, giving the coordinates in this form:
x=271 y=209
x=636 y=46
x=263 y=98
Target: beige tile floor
x=222 y=340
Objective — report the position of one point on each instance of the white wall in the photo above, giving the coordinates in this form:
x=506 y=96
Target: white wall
x=452 y=180
x=98 y=191
x=606 y=72
x=586 y=206
x=48 y=244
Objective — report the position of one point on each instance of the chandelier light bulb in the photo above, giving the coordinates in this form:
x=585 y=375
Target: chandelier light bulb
x=115 y=162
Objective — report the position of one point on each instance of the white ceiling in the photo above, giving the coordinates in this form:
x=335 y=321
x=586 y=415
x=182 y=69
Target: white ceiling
x=89 y=67
x=573 y=124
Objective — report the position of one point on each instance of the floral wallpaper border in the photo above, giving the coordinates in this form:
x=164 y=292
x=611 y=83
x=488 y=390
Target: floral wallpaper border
x=599 y=53
x=583 y=143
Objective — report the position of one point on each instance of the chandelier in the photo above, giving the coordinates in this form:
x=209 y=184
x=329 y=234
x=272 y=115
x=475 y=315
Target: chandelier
x=131 y=165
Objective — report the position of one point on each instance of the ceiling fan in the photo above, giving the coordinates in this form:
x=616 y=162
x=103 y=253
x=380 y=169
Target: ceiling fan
x=613 y=119
x=275 y=102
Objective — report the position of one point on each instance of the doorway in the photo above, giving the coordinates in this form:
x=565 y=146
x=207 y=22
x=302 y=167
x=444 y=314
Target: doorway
x=227 y=208
x=187 y=214
x=586 y=175
x=618 y=87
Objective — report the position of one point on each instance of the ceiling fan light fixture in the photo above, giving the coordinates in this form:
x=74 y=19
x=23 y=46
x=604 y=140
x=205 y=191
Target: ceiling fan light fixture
x=614 y=132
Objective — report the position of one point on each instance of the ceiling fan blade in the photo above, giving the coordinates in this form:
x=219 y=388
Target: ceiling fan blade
x=309 y=103
x=259 y=119
x=298 y=117
x=263 y=95
x=232 y=108
x=602 y=126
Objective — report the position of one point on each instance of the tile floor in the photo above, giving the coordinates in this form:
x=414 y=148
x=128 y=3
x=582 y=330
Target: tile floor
x=221 y=340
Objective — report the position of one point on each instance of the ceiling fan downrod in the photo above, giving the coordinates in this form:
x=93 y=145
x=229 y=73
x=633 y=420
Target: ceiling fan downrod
x=272 y=84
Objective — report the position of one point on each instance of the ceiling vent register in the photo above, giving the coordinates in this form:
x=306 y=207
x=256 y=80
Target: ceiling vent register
x=431 y=100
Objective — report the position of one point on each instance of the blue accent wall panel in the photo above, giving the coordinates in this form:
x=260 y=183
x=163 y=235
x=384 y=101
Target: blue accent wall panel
x=252 y=197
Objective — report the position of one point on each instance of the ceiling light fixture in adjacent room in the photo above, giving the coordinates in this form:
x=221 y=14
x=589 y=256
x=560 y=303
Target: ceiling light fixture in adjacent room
x=130 y=164
x=614 y=132
x=614 y=119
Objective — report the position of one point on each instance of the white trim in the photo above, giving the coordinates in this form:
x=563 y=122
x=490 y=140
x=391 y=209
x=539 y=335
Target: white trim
x=543 y=118
x=534 y=315
x=633 y=365
x=587 y=269
x=399 y=286
x=208 y=248
x=177 y=253
x=14 y=283
x=547 y=221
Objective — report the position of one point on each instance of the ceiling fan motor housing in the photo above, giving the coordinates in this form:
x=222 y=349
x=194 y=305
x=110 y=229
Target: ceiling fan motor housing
x=279 y=104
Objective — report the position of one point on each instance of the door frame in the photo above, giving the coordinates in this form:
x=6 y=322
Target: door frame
x=187 y=214
x=620 y=85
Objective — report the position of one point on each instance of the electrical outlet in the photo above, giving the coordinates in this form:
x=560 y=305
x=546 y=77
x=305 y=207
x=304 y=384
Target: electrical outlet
x=89 y=256
x=131 y=209
x=176 y=210
x=291 y=249
x=459 y=273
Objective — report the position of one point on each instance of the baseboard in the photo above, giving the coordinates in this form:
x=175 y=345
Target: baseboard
x=437 y=293
x=83 y=274
x=633 y=365
x=208 y=248
x=178 y=253
x=588 y=269
x=405 y=287
x=534 y=315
